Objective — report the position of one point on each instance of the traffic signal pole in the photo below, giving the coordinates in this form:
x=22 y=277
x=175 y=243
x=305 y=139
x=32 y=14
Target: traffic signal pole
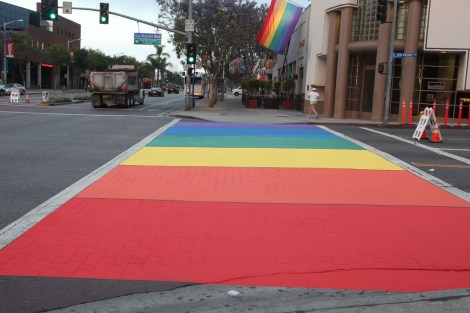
x=135 y=19
x=390 y=64
x=187 y=106
x=189 y=34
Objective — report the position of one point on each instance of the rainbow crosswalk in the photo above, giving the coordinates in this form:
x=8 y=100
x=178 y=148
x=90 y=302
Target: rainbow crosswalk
x=270 y=205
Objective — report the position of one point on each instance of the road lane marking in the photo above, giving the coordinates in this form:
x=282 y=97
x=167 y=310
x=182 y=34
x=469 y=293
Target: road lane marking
x=449 y=149
x=81 y=114
x=439 y=165
x=412 y=169
x=27 y=221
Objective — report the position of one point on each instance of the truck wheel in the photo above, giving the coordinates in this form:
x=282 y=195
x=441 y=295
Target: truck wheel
x=96 y=101
x=142 y=98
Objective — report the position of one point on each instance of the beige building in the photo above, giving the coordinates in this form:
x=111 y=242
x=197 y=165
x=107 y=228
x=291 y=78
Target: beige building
x=346 y=45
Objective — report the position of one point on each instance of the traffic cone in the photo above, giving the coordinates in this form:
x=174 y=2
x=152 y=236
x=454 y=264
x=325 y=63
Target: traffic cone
x=27 y=99
x=424 y=135
x=436 y=134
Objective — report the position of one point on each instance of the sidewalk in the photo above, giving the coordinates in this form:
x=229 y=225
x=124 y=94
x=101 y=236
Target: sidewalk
x=232 y=110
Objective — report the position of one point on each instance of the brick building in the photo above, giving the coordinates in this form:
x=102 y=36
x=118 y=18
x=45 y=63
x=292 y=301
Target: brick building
x=34 y=71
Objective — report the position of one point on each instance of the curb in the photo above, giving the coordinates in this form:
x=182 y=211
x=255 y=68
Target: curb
x=42 y=104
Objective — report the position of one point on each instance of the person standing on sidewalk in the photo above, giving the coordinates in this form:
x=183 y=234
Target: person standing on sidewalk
x=313 y=95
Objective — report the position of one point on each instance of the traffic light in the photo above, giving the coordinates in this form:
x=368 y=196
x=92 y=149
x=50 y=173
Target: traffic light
x=191 y=53
x=382 y=11
x=190 y=71
x=49 y=10
x=104 y=13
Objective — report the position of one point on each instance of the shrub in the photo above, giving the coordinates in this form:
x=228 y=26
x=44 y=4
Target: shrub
x=82 y=96
x=59 y=99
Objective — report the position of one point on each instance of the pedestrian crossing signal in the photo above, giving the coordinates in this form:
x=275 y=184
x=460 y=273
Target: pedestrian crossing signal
x=104 y=13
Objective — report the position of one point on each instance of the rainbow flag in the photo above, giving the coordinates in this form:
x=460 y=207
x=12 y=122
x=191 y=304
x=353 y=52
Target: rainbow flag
x=279 y=25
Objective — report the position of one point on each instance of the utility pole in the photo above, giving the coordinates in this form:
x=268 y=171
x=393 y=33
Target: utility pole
x=68 y=63
x=187 y=106
x=390 y=64
x=5 y=61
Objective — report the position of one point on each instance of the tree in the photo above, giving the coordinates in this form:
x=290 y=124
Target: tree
x=95 y=60
x=59 y=56
x=158 y=61
x=26 y=52
x=146 y=70
x=175 y=78
x=223 y=31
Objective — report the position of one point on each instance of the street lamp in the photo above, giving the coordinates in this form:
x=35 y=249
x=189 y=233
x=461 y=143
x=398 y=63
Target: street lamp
x=5 y=48
x=68 y=63
x=115 y=58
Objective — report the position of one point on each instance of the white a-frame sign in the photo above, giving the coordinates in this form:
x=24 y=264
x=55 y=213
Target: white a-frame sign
x=428 y=118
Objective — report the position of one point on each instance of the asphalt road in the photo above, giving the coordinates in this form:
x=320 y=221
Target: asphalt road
x=43 y=150
x=46 y=149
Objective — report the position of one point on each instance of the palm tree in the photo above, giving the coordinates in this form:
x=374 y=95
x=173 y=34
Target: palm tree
x=158 y=61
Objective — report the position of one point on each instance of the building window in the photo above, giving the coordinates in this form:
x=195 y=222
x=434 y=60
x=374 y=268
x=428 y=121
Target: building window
x=400 y=29
x=422 y=28
x=353 y=99
x=436 y=77
x=365 y=25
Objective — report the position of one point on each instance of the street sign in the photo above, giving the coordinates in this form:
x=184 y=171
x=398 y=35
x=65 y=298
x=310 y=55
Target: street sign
x=147 y=39
x=401 y=55
x=67 y=7
x=189 y=25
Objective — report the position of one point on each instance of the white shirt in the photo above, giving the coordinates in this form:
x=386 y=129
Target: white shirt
x=313 y=95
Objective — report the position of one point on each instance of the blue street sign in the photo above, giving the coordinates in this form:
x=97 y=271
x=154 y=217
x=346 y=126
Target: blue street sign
x=401 y=55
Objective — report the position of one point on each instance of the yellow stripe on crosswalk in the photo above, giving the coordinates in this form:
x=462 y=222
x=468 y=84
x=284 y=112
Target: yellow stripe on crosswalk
x=253 y=157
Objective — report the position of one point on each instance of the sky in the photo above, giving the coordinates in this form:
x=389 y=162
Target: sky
x=117 y=37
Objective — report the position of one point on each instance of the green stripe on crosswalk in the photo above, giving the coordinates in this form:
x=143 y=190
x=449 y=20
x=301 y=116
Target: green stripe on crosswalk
x=252 y=142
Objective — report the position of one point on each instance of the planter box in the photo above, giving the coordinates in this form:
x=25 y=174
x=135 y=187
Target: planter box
x=271 y=103
x=253 y=104
x=287 y=105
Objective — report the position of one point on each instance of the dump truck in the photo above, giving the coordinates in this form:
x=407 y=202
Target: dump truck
x=119 y=85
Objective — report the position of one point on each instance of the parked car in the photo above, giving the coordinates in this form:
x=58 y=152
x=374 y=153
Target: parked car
x=2 y=88
x=156 y=92
x=237 y=91
x=172 y=88
x=9 y=88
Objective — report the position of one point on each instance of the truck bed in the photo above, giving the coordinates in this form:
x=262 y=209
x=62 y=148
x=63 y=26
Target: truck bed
x=111 y=82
